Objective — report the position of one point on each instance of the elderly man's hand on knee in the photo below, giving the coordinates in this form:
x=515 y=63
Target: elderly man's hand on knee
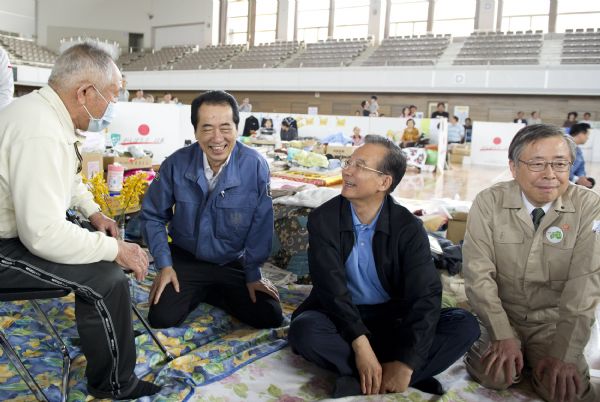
x=561 y=380
x=132 y=257
x=503 y=356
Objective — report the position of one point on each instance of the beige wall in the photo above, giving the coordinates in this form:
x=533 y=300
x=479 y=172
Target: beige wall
x=553 y=109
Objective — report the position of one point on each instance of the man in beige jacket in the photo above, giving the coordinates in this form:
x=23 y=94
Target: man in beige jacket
x=531 y=267
x=40 y=179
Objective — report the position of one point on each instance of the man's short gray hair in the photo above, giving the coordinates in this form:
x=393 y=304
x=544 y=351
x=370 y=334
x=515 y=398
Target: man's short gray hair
x=394 y=163
x=80 y=63
x=533 y=133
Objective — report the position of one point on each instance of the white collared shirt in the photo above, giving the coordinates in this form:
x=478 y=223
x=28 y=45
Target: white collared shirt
x=530 y=207
x=211 y=176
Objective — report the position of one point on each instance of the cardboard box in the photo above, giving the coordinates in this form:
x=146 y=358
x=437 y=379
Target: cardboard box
x=457 y=227
x=92 y=164
x=455 y=158
x=340 y=151
x=129 y=162
x=461 y=149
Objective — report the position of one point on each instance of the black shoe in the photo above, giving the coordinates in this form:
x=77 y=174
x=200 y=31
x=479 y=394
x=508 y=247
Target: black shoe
x=430 y=386
x=143 y=388
x=346 y=385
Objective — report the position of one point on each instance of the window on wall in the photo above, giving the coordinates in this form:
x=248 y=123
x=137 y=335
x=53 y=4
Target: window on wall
x=519 y=15
x=408 y=17
x=456 y=17
x=576 y=14
x=313 y=20
x=266 y=21
x=351 y=19
x=237 y=21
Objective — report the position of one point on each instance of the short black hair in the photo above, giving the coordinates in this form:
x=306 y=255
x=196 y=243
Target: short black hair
x=579 y=128
x=215 y=98
x=374 y=97
x=441 y=104
x=394 y=162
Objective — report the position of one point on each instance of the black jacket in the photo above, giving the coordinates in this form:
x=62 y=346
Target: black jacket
x=404 y=266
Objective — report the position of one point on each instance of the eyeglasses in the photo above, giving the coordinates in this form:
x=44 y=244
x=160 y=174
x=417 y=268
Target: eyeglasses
x=559 y=165
x=348 y=163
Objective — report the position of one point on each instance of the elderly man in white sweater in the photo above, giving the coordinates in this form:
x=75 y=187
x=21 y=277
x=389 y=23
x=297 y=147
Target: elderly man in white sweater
x=40 y=180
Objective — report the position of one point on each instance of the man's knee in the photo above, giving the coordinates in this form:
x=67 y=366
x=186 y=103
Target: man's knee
x=476 y=370
x=303 y=332
x=269 y=314
x=113 y=280
x=160 y=317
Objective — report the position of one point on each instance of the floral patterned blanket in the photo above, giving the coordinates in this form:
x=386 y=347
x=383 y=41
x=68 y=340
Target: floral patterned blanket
x=209 y=346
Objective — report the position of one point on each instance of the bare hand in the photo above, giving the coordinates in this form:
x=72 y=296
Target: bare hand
x=165 y=276
x=262 y=285
x=396 y=377
x=133 y=258
x=561 y=379
x=504 y=355
x=369 y=369
x=583 y=181
x=104 y=224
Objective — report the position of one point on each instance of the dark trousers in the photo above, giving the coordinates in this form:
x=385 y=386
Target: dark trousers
x=222 y=286
x=102 y=311
x=314 y=336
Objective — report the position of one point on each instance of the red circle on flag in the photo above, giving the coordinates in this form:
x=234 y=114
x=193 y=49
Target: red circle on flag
x=144 y=129
x=497 y=140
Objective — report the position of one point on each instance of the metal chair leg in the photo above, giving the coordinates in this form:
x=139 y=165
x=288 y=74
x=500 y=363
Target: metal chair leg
x=23 y=372
x=162 y=347
x=61 y=345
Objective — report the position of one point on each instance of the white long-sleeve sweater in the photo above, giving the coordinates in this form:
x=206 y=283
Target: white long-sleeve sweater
x=39 y=182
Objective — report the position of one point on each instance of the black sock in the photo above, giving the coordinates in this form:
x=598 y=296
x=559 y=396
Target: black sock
x=429 y=385
x=143 y=388
x=346 y=385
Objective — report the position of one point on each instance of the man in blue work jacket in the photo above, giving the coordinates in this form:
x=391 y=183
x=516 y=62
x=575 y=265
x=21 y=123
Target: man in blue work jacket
x=214 y=196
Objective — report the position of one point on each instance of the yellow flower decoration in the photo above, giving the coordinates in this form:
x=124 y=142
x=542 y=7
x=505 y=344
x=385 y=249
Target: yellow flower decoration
x=341 y=122
x=323 y=121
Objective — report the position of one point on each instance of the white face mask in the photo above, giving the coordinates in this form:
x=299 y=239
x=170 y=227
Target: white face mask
x=96 y=125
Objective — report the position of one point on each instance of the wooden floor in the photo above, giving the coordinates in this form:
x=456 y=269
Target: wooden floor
x=462 y=182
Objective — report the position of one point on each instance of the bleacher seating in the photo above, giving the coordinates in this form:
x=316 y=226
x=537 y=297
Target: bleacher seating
x=208 y=57
x=409 y=51
x=331 y=53
x=162 y=59
x=497 y=48
x=26 y=51
x=581 y=47
x=265 y=55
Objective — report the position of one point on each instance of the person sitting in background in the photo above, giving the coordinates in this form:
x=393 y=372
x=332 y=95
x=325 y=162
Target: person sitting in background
x=149 y=98
x=288 y=133
x=365 y=108
x=440 y=112
x=468 y=126
x=587 y=118
x=580 y=134
x=266 y=126
x=535 y=118
x=373 y=106
x=413 y=111
x=374 y=313
x=405 y=112
x=571 y=119
x=410 y=135
x=357 y=138
x=246 y=106
x=520 y=118
x=123 y=92
x=167 y=98
x=139 y=96
x=456 y=131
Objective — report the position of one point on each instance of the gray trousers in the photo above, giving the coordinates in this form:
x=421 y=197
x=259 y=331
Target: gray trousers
x=102 y=311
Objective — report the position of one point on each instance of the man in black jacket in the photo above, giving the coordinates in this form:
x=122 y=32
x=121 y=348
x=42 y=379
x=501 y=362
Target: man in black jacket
x=374 y=314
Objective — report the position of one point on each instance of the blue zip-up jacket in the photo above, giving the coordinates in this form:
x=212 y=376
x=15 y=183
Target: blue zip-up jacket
x=578 y=168
x=232 y=223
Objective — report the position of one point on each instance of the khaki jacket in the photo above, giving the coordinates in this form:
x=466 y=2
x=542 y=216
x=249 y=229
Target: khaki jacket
x=517 y=276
